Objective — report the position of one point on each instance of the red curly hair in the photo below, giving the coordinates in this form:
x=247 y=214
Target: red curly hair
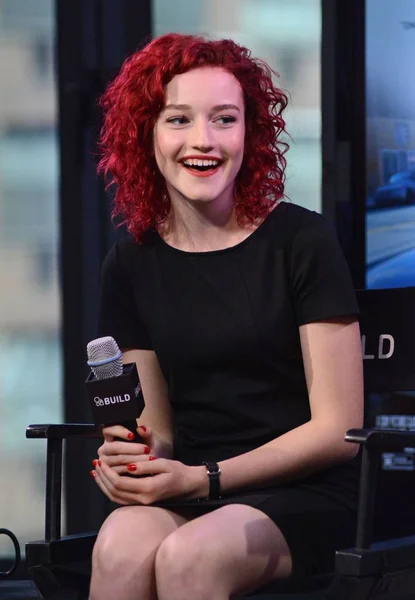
x=133 y=102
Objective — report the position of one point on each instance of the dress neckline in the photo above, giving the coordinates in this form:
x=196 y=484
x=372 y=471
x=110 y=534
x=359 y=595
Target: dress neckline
x=228 y=249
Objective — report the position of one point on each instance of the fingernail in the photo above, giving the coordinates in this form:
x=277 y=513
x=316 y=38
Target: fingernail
x=131 y=436
x=132 y=467
x=94 y=462
x=146 y=450
x=99 y=463
x=92 y=473
x=152 y=457
x=143 y=427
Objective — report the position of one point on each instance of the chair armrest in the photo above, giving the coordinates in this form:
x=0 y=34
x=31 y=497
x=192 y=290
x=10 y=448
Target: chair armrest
x=373 y=441
x=63 y=431
x=54 y=435
x=381 y=438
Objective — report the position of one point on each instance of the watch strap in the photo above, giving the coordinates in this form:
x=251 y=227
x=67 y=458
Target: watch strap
x=213 y=472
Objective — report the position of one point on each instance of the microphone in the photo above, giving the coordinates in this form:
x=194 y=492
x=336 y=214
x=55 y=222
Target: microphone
x=113 y=388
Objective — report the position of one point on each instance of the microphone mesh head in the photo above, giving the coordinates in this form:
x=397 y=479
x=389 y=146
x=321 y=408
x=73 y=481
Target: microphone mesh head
x=105 y=349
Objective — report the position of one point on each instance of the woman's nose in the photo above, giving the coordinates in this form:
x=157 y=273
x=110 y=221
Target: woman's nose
x=203 y=149
x=201 y=137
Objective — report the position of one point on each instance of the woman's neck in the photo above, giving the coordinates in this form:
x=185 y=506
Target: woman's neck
x=202 y=227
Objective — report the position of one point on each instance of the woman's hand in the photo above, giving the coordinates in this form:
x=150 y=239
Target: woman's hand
x=157 y=479
x=118 y=454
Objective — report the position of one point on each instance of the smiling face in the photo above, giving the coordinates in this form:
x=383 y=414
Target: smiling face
x=199 y=135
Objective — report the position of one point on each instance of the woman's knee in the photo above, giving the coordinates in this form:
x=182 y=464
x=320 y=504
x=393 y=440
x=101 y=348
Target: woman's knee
x=177 y=563
x=176 y=553
x=186 y=560
x=131 y=536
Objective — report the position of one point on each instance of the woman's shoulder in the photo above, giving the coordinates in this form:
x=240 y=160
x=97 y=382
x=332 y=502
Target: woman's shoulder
x=124 y=257
x=296 y=222
x=299 y=216
x=127 y=248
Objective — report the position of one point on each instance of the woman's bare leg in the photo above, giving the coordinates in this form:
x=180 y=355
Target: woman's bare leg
x=125 y=551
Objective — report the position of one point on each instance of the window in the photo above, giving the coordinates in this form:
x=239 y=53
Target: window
x=30 y=347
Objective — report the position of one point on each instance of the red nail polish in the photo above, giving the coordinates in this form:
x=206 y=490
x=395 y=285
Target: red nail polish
x=99 y=463
x=146 y=450
x=152 y=457
x=92 y=473
x=131 y=436
x=143 y=427
x=94 y=462
x=132 y=467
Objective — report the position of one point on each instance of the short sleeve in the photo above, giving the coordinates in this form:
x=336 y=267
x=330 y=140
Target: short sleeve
x=320 y=279
x=118 y=315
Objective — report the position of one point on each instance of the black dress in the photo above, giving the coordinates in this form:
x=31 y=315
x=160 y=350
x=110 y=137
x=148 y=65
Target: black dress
x=224 y=326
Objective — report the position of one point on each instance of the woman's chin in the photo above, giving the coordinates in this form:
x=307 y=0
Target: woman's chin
x=199 y=199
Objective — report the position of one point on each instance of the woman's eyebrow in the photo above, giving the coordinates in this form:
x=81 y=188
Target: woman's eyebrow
x=216 y=108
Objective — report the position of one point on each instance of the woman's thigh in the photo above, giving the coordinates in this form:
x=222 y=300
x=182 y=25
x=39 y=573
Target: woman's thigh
x=231 y=550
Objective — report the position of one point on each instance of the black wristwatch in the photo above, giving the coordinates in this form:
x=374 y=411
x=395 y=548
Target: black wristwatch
x=213 y=472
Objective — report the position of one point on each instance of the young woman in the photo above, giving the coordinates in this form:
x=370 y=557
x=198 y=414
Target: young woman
x=240 y=314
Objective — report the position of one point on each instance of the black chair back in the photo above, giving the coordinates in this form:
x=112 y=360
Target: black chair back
x=388 y=338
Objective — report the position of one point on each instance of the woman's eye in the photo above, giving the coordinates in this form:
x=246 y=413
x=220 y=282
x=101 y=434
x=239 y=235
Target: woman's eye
x=183 y=120
x=227 y=119
x=178 y=120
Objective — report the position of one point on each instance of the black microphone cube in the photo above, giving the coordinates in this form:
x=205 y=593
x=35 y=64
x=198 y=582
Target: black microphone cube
x=116 y=399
